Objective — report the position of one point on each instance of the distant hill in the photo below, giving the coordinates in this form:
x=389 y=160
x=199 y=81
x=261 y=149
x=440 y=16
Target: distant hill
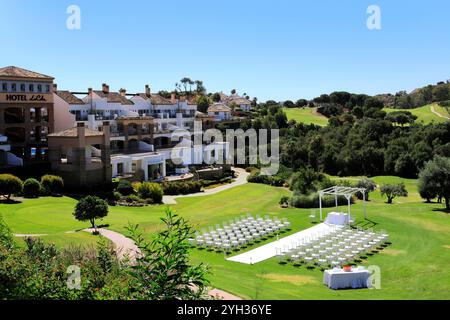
x=419 y=97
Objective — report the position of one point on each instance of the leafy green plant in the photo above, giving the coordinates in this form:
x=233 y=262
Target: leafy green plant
x=162 y=270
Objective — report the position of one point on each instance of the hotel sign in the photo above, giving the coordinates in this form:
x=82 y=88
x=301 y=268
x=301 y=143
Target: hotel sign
x=26 y=98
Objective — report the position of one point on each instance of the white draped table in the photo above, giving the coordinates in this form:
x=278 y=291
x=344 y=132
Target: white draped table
x=340 y=219
x=339 y=279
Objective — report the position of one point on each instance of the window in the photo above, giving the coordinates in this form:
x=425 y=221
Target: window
x=47 y=88
x=31 y=88
x=5 y=87
x=22 y=87
x=39 y=87
x=14 y=87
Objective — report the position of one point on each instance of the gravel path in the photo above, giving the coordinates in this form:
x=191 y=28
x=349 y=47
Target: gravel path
x=125 y=247
x=239 y=181
x=438 y=114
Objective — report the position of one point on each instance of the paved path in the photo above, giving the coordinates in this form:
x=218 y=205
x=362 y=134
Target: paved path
x=125 y=247
x=239 y=181
x=438 y=114
x=19 y=235
x=270 y=250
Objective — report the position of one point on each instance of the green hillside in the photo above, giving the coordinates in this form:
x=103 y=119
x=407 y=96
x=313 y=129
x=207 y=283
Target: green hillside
x=306 y=116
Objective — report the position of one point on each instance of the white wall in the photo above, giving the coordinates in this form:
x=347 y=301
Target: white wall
x=63 y=118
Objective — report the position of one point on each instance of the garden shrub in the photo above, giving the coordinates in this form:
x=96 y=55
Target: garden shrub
x=10 y=185
x=125 y=188
x=31 y=188
x=132 y=198
x=207 y=183
x=149 y=190
x=284 y=200
x=269 y=180
x=251 y=169
x=52 y=184
x=117 y=195
x=176 y=188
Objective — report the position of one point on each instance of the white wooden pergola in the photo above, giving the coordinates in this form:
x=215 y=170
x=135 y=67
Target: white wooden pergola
x=347 y=192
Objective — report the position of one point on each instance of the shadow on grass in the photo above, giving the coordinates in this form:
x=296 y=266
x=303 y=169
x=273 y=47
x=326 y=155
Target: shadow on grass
x=365 y=224
x=106 y=225
x=10 y=201
x=444 y=210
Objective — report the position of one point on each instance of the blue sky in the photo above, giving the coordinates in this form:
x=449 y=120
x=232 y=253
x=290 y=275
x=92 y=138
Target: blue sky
x=270 y=49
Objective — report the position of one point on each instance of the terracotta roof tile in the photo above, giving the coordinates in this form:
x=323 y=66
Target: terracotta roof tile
x=219 y=107
x=114 y=97
x=68 y=97
x=239 y=101
x=17 y=72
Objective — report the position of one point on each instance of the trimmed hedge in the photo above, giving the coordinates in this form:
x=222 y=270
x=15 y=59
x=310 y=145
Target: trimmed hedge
x=31 y=188
x=52 y=184
x=269 y=180
x=148 y=190
x=207 y=183
x=176 y=188
x=10 y=185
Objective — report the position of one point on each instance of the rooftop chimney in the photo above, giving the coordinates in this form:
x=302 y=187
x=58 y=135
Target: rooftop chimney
x=81 y=133
x=147 y=90
x=123 y=92
x=105 y=88
x=55 y=87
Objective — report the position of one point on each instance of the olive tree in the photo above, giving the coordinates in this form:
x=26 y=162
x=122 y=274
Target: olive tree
x=391 y=191
x=434 y=180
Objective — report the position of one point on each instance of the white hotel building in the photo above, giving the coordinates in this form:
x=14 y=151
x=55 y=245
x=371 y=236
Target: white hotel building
x=141 y=127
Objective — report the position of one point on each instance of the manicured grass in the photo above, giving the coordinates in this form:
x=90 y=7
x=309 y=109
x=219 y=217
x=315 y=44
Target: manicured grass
x=306 y=116
x=415 y=266
x=424 y=113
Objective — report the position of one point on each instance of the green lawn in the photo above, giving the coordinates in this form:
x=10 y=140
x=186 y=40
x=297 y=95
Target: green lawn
x=424 y=113
x=415 y=266
x=306 y=116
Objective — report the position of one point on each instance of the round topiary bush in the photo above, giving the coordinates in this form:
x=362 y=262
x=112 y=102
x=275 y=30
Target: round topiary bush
x=10 y=185
x=52 y=184
x=31 y=188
